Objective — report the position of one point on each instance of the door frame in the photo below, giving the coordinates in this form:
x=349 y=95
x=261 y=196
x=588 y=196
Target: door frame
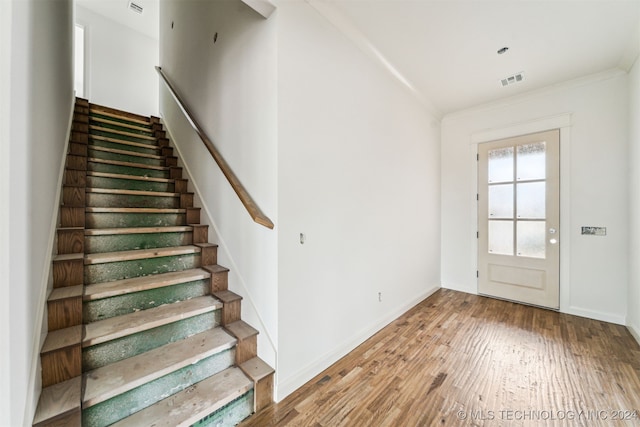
x=563 y=123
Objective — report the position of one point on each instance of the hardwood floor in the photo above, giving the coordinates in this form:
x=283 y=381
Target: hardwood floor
x=463 y=360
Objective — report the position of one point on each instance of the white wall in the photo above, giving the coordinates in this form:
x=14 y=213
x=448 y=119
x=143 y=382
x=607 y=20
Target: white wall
x=231 y=88
x=120 y=64
x=359 y=175
x=633 y=312
x=594 y=189
x=39 y=110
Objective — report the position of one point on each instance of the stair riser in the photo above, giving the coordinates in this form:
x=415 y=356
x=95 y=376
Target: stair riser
x=124 y=304
x=113 y=351
x=119 y=407
x=105 y=155
x=231 y=414
x=121 y=128
x=123 y=137
x=131 y=201
x=108 y=272
x=126 y=170
x=125 y=220
x=126 y=242
x=129 y=184
x=116 y=146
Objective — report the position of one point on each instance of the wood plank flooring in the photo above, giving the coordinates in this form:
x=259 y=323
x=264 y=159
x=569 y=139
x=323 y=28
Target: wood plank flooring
x=464 y=360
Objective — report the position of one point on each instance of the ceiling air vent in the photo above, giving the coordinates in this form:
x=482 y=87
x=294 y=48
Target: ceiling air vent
x=135 y=7
x=516 y=78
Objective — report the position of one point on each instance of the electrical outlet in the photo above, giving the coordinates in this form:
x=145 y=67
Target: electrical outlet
x=379 y=296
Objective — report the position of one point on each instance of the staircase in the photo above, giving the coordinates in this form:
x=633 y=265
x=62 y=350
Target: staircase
x=142 y=329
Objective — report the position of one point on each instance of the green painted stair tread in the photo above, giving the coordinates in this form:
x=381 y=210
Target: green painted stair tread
x=135 y=127
x=134 y=210
x=136 y=230
x=193 y=404
x=120 y=191
x=95 y=109
x=118 y=256
x=127 y=164
x=256 y=369
x=124 y=142
x=96 y=152
x=129 y=177
x=125 y=152
x=58 y=400
x=122 y=133
x=122 y=181
x=104 y=383
x=117 y=327
x=110 y=217
x=140 y=284
x=128 y=168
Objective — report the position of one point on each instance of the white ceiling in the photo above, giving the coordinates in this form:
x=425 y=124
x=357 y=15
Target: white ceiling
x=446 y=49
x=147 y=23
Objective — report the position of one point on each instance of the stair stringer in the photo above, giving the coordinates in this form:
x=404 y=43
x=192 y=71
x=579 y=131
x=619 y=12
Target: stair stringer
x=267 y=348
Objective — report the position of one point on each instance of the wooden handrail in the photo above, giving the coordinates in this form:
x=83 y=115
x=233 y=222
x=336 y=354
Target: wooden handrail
x=254 y=211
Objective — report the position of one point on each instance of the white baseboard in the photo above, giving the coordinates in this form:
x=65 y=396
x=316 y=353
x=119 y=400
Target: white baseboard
x=289 y=385
x=40 y=325
x=595 y=315
x=634 y=331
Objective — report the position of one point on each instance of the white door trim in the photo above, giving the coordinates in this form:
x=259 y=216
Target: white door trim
x=562 y=122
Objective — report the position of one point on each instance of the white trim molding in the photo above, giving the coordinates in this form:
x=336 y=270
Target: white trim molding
x=292 y=383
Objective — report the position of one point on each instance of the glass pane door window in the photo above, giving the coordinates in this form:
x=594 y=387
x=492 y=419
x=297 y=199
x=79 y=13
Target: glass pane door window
x=516 y=200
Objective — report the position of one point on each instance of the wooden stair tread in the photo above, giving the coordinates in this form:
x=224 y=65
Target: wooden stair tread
x=117 y=123
x=62 y=338
x=125 y=152
x=58 y=400
x=123 y=133
x=104 y=257
x=128 y=164
x=256 y=369
x=130 y=192
x=106 y=382
x=241 y=330
x=130 y=177
x=191 y=405
x=67 y=257
x=134 y=210
x=118 y=114
x=137 y=230
x=128 y=324
x=66 y=292
x=137 y=284
x=216 y=268
x=227 y=296
x=124 y=142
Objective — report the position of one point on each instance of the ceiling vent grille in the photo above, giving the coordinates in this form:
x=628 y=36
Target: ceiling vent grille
x=516 y=78
x=135 y=7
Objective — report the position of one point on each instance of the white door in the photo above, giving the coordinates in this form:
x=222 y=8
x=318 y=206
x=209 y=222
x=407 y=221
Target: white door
x=519 y=219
